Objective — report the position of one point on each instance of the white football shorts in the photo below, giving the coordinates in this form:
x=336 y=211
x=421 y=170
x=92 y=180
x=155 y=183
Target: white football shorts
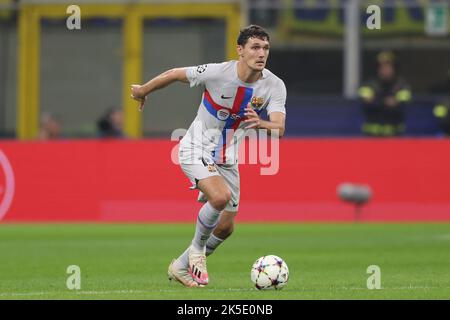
x=207 y=168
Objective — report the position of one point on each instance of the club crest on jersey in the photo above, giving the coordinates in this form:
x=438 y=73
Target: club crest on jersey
x=257 y=103
x=223 y=114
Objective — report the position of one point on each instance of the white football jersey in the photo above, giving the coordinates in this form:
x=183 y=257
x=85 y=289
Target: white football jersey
x=219 y=127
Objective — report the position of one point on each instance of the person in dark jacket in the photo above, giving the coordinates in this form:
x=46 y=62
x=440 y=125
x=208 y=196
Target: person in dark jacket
x=384 y=99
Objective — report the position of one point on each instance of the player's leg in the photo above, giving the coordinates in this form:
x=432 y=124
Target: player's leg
x=225 y=226
x=219 y=189
x=203 y=175
x=224 y=229
x=221 y=232
x=218 y=195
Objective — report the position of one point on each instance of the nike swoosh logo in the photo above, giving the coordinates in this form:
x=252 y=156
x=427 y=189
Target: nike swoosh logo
x=223 y=97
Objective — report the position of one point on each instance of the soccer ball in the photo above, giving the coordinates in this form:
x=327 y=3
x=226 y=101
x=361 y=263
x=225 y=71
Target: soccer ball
x=269 y=272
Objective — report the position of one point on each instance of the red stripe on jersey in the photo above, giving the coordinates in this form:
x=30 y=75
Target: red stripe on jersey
x=240 y=94
x=238 y=100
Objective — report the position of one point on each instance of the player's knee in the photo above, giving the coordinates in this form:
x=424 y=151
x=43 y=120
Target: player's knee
x=219 y=201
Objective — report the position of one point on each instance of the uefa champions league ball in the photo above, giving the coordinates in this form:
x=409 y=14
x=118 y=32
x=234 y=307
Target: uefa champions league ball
x=269 y=272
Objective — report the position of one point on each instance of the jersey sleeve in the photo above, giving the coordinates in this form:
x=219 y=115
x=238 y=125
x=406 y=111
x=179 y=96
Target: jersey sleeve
x=199 y=75
x=278 y=100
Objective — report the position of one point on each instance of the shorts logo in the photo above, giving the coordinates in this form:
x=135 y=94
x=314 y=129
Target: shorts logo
x=7 y=185
x=209 y=166
x=202 y=68
x=223 y=114
x=257 y=103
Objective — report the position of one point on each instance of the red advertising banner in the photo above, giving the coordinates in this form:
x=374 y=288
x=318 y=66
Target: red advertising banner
x=136 y=180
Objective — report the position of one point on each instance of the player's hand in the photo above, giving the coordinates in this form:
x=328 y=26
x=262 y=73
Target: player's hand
x=252 y=118
x=137 y=95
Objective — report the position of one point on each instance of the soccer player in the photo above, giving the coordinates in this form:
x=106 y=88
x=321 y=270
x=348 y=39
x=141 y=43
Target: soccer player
x=236 y=92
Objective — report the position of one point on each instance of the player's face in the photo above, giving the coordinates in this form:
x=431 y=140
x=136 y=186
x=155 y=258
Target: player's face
x=255 y=53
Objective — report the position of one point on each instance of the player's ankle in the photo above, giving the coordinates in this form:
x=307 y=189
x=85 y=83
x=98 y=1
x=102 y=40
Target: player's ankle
x=198 y=249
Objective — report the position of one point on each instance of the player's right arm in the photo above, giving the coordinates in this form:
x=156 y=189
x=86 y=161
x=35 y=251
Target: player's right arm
x=140 y=92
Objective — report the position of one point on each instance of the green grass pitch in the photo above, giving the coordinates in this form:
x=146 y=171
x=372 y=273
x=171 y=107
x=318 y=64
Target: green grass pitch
x=129 y=261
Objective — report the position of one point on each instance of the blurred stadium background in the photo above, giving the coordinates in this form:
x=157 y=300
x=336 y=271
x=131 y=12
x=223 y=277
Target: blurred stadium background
x=309 y=51
x=75 y=76
x=323 y=51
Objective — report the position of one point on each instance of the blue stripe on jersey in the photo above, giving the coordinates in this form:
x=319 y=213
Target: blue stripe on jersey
x=210 y=108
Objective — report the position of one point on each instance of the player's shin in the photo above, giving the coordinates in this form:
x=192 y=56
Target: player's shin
x=207 y=220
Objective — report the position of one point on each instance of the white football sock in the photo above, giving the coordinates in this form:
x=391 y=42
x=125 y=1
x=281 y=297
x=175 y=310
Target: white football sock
x=207 y=219
x=212 y=243
x=182 y=261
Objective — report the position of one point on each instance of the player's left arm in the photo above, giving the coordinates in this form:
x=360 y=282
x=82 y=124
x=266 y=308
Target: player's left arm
x=276 y=123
